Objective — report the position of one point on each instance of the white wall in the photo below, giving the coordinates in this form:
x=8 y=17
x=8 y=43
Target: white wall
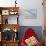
x=32 y=4
x=27 y=4
x=7 y=3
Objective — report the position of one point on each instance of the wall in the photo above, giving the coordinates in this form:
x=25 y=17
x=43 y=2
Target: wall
x=6 y=3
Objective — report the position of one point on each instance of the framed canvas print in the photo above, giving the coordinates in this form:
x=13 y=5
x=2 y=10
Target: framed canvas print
x=30 y=14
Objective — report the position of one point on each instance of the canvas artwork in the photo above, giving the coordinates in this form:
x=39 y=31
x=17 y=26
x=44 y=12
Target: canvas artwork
x=31 y=14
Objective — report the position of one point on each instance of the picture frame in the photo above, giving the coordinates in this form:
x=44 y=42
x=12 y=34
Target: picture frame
x=31 y=14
